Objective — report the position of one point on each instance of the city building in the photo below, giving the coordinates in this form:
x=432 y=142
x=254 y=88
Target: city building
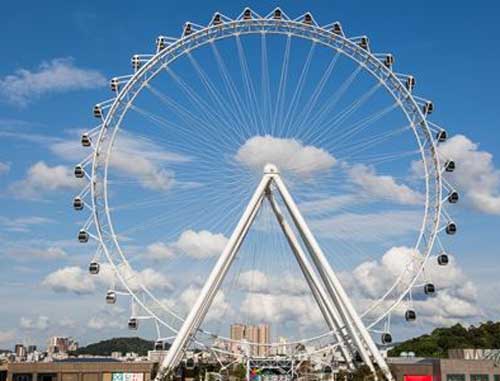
x=58 y=344
x=90 y=369
x=251 y=334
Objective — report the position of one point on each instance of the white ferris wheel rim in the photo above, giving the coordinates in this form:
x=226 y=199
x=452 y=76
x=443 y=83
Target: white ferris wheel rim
x=372 y=64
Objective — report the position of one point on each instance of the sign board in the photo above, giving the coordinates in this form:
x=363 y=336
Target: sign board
x=127 y=377
x=421 y=377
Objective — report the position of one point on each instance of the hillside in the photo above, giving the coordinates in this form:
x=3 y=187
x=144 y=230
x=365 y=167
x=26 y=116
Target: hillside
x=436 y=344
x=120 y=344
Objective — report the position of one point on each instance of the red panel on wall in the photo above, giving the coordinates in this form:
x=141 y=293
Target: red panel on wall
x=425 y=377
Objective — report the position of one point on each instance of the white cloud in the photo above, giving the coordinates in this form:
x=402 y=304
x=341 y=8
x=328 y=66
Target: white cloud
x=476 y=176
x=220 y=307
x=455 y=299
x=382 y=186
x=159 y=250
x=70 y=279
x=79 y=281
x=30 y=253
x=40 y=323
x=279 y=308
x=201 y=244
x=256 y=281
x=368 y=227
x=56 y=76
x=4 y=168
x=132 y=156
x=287 y=154
x=7 y=336
x=22 y=224
x=41 y=179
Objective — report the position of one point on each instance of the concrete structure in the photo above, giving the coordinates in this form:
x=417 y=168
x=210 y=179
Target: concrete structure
x=80 y=370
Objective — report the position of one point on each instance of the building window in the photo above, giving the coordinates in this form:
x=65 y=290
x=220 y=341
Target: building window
x=455 y=377
x=479 y=377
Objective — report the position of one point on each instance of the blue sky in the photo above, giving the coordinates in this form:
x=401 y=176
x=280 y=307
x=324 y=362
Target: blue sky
x=57 y=60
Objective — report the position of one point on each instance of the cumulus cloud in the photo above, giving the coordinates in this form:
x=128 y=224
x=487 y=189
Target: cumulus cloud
x=70 y=279
x=56 y=76
x=159 y=250
x=22 y=224
x=454 y=301
x=279 y=308
x=382 y=186
x=476 y=176
x=41 y=178
x=287 y=154
x=77 y=280
x=368 y=227
x=201 y=244
x=256 y=281
x=39 y=323
x=132 y=156
x=30 y=253
x=4 y=168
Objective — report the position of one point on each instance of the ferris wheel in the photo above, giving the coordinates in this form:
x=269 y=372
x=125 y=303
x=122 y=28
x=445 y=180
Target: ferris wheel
x=252 y=161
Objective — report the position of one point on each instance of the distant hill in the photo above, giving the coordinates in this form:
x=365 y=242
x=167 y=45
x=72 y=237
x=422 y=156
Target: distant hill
x=119 y=344
x=486 y=335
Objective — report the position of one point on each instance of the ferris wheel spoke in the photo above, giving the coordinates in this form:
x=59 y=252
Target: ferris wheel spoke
x=297 y=92
x=304 y=117
x=225 y=112
x=280 y=99
x=248 y=85
x=195 y=100
x=233 y=94
x=266 y=104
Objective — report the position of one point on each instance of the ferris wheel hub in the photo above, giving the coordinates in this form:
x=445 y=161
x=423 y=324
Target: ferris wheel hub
x=270 y=168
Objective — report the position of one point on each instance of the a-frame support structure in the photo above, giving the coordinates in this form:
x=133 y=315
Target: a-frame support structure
x=351 y=334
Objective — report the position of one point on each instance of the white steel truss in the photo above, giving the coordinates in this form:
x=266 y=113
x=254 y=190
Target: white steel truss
x=328 y=292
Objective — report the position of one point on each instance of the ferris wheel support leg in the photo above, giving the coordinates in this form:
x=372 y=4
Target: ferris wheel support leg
x=205 y=298
x=313 y=282
x=352 y=319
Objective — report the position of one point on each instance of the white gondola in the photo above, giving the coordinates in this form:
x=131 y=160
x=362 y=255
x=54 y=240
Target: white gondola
x=97 y=110
x=410 y=315
x=277 y=15
x=79 y=172
x=247 y=14
x=386 y=338
x=83 y=236
x=449 y=166
x=159 y=345
x=429 y=289
x=428 y=108
x=451 y=228
x=363 y=43
x=136 y=62
x=443 y=259
x=441 y=136
x=111 y=297
x=337 y=29
x=133 y=324
x=94 y=268
x=217 y=20
x=410 y=83
x=78 y=203
x=308 y=20
x=161 y=43
x=188 y=29
x=114 y=84
x=86 y=141
x=389 y=60
x=453 y=197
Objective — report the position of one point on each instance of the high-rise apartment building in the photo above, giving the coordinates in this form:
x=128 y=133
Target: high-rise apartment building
x=252 y=334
